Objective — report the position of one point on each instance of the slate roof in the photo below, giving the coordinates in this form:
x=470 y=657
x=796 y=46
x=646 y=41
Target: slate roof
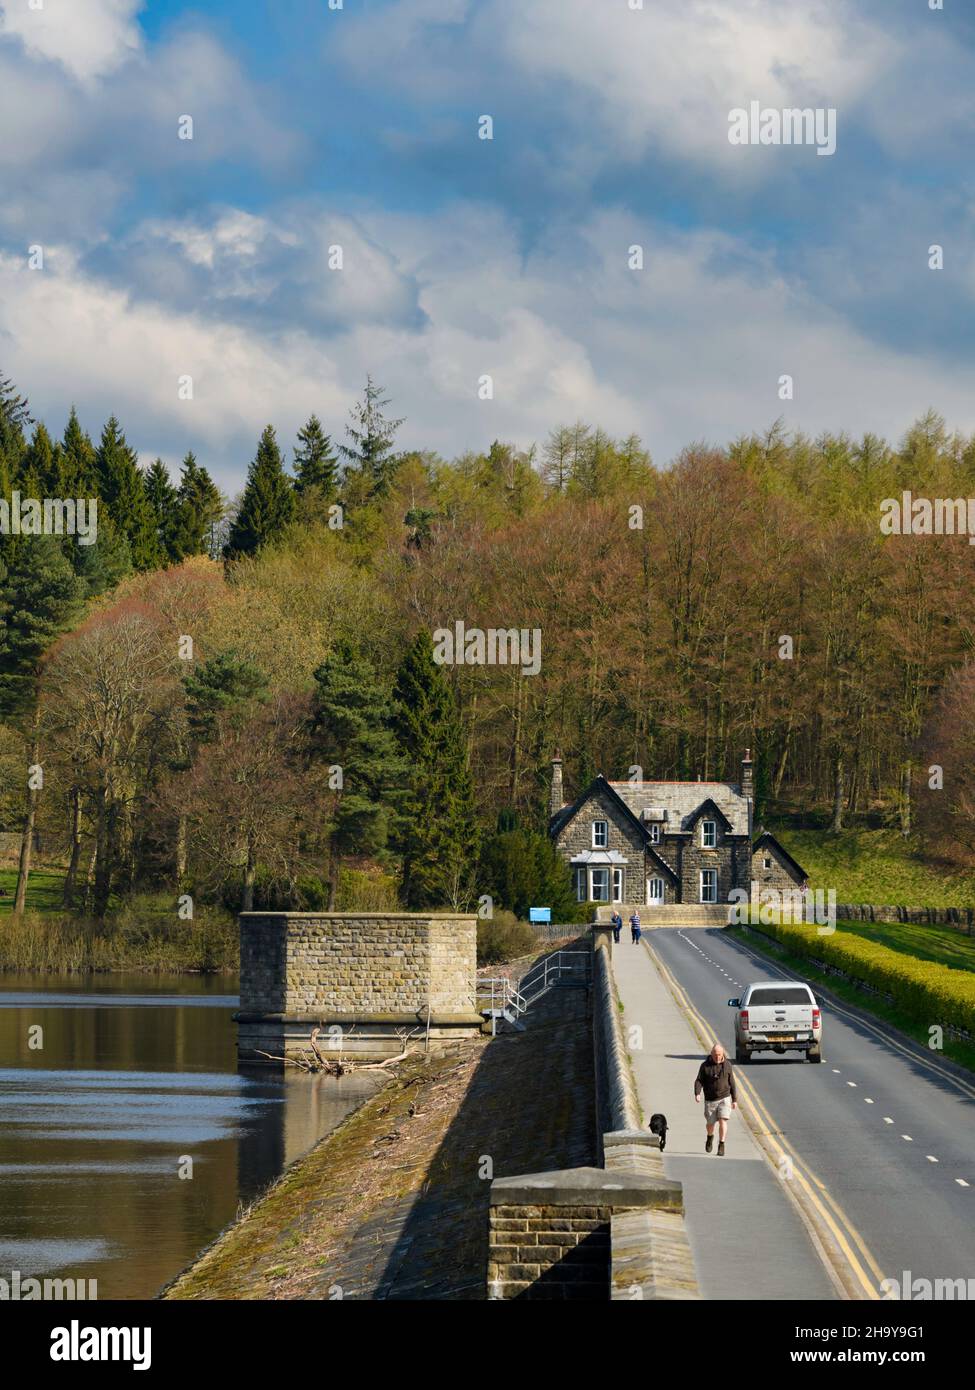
x=682 y=799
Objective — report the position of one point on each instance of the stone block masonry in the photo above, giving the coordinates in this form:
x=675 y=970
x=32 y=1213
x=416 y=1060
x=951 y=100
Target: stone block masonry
x=361 y=978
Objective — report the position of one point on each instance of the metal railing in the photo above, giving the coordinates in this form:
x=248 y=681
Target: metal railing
x=515 y=1000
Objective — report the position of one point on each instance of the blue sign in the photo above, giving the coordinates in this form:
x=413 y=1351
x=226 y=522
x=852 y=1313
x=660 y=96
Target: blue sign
x=539 y=914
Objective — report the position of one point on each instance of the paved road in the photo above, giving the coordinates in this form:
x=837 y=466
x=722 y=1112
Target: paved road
x=887 y=1130
x=730 y=1202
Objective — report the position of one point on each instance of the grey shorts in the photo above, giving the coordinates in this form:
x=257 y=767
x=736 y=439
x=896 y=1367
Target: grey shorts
x=715 y=1110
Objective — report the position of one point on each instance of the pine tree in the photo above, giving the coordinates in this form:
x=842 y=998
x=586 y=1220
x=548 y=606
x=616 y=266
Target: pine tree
x=40 y=466
x=121 y=488
x=14 y=418
x=40 y=595
x=522 y=869
x=225 y=686
x=316 y=465
x=370 y=457
x=439 y=838
x=79 y=464
x=103 y=565
x=352 y=732
x=161 y=496
x=268 y=503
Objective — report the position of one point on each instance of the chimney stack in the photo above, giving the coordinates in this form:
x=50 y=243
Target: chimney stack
x=747 y=788
x=555 y=799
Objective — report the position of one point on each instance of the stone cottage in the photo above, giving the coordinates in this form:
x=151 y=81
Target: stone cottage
x=660 y=843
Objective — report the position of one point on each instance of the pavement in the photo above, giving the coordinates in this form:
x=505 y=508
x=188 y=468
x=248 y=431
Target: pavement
x=881 y=1133
x=747 y=1238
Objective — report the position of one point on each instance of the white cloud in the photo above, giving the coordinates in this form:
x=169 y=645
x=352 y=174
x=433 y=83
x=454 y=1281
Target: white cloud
x=625 y=83
x=89 y=38
x=692 y=347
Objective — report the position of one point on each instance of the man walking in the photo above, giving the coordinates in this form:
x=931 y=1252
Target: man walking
x=716 y=1078
x=616 y=921
x=635 y=928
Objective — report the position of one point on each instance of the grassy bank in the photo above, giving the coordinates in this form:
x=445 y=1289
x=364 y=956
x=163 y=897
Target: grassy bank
x=43 y=890
x=942 y=945
x=146 y=934
x=394 y=1203
x=877 y=866
x=903 y=1015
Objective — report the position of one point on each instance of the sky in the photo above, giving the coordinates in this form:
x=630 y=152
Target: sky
x=463 y=258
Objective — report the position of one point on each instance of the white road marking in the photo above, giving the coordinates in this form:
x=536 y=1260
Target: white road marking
x=867 y=1100
x=931 y=1158
x=853 y=1084
x=888 y=1120
x=961 y=1182
x=908 y=1138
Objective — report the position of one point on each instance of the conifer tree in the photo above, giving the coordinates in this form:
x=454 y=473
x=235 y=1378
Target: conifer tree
x=371 y=461
x=352 y=733
x=40 y=595
x=121 y=488
x=316 y=465
x=227 y=685
x=268 y=503
x=439 y=839
x=78 y=461
x=40 y=467
x=161 y=496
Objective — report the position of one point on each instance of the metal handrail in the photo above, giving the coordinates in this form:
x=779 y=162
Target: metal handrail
x=551 y=968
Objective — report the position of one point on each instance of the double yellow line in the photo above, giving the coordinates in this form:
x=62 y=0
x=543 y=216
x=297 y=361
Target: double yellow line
x=837 y=1241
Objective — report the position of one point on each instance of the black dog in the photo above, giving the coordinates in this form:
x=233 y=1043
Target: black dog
x=658 y=1125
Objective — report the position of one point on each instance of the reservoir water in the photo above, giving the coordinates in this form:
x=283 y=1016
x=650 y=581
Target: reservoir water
x=129 y=1135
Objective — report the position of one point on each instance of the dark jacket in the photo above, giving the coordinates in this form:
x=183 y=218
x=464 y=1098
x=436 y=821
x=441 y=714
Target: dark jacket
x=716 y=1080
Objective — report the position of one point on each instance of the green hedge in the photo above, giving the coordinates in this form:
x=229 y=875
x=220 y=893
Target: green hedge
x=924 y=991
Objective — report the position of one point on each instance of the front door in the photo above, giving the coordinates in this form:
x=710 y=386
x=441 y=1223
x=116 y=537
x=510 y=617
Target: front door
x=655 y=891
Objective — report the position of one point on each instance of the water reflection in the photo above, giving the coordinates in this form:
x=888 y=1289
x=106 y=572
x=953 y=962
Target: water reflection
x=134 y=1082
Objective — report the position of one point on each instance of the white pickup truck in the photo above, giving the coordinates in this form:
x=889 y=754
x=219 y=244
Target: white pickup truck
x=777 y=1016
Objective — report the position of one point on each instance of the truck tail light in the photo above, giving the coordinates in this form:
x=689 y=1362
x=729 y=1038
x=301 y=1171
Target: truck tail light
x=815 y=1022
x=743 y=1018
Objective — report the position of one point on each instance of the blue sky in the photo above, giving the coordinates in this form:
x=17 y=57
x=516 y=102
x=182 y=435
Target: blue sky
x=463 y=257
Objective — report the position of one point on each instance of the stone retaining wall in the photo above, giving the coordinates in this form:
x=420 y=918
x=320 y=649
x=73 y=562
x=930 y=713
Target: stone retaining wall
x=961 y=918
x=361 y=978
x=597 y=1234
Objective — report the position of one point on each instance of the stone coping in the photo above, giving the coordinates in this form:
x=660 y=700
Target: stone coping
x=587 y=1187
x=322 y=1020
x=366 y=916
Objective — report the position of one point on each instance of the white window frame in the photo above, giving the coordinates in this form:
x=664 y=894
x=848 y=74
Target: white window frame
x=709 y=827
x=617 y=885
x=767 y=862
x=652 y=881
x=709 y=876
x=602 y=897
x=655 y=834
x=604 y=842
x=580 y=884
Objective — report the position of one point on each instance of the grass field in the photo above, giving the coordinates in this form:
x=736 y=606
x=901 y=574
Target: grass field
x=43 y=890
x=959 y=1051
x=940 y=944
x=876 y=866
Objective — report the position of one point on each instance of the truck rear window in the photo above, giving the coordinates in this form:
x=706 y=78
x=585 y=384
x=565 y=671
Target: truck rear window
x=778 y=996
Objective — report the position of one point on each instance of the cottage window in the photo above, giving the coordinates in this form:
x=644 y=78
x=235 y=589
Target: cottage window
x=655 y=834
x=709 y=885
x=600 y=834
x=655 y=890
x=580 y=885
x=599 y=879
x=709 y=834
x=766 y=863
x=617 y=885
